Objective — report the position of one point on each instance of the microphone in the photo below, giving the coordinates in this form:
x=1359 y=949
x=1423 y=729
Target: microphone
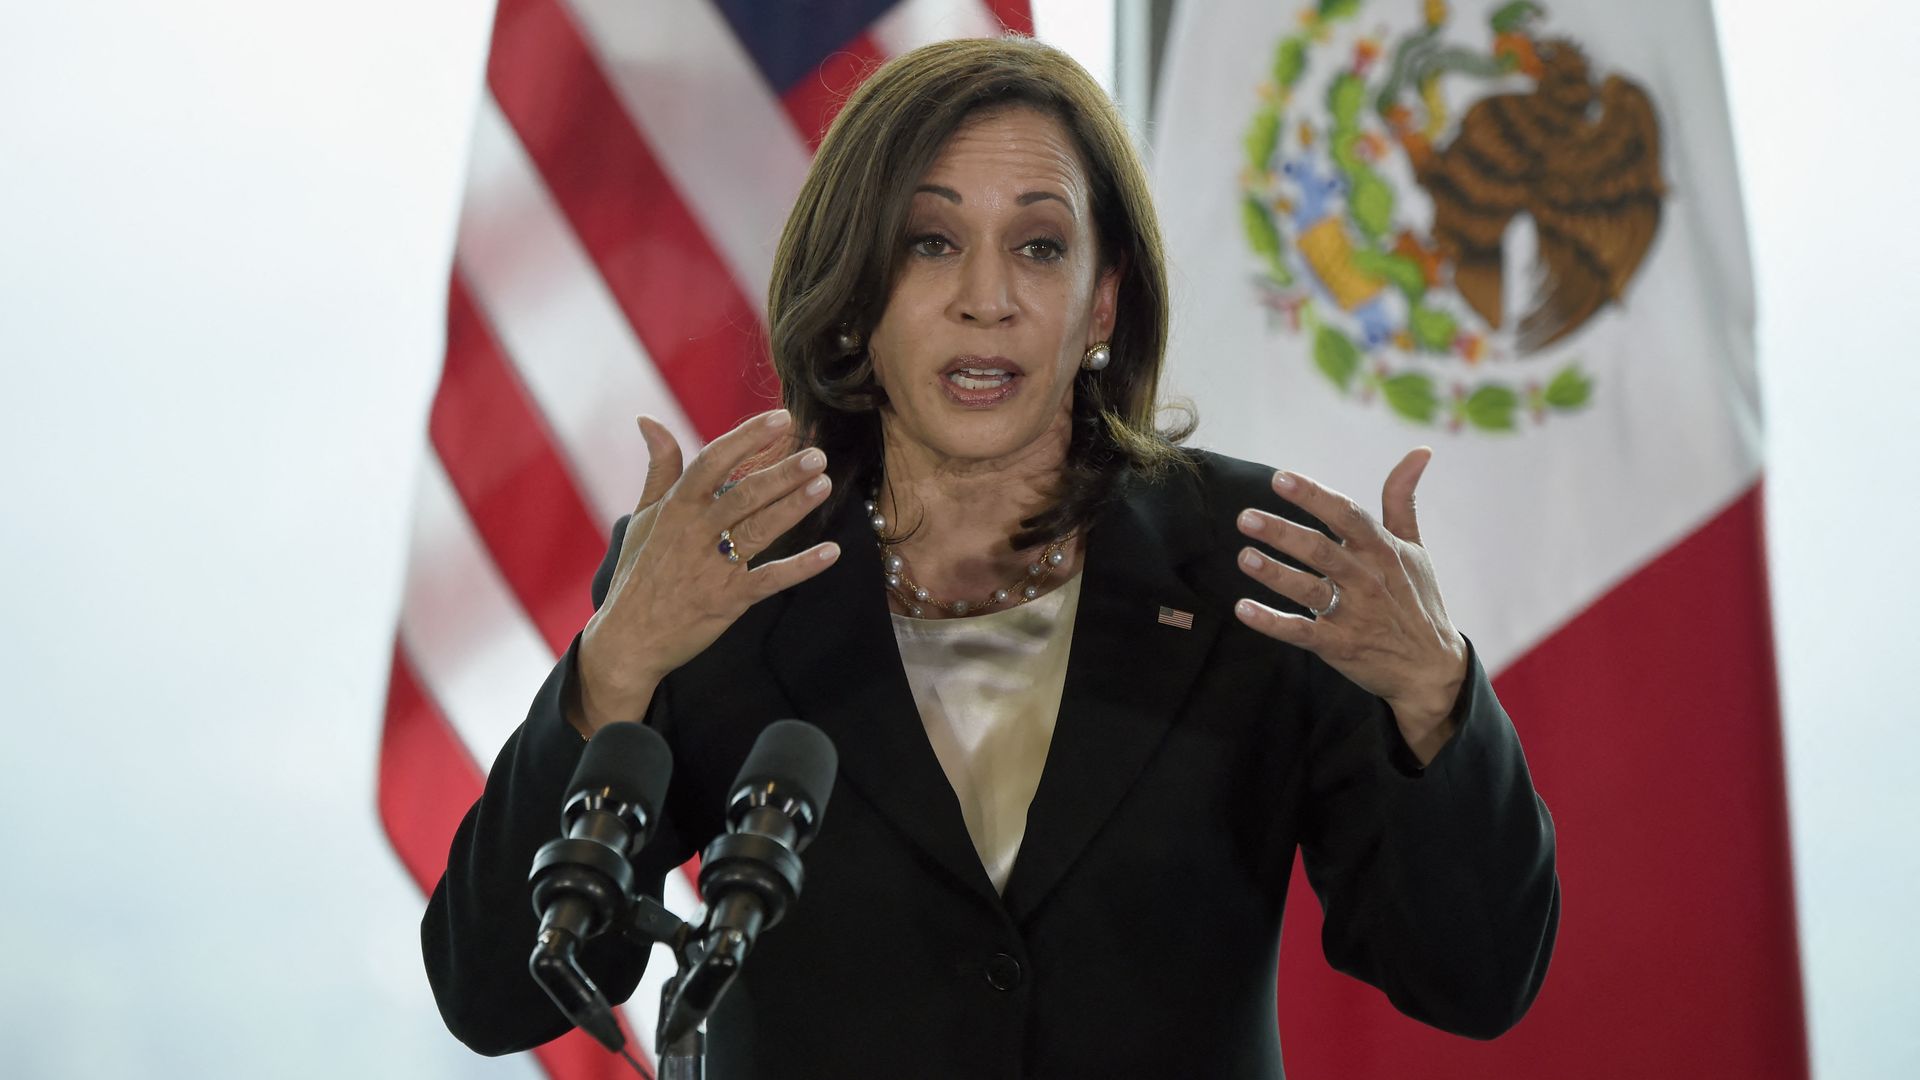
x=750 y=875
x=582 y=882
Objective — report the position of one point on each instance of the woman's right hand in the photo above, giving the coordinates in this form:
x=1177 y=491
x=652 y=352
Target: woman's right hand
x=673 y=591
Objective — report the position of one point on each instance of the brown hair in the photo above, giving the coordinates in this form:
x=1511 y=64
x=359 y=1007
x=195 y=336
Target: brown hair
x=843 y=244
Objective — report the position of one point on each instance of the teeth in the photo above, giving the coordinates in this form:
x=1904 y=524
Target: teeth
x=970 y=379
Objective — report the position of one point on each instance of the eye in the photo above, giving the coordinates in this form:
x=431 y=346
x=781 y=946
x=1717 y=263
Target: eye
x=931 y=244
x=1043 y=249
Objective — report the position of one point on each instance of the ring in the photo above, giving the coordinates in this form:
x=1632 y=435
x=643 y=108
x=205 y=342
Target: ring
x=726 y=546
x=726 y=487
x=1332 y=605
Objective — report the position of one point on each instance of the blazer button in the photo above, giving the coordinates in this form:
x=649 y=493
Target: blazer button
x=1003 y=972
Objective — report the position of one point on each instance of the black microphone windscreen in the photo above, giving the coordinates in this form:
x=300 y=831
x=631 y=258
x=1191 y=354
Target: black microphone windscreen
x=795 y=755
x=631 y=761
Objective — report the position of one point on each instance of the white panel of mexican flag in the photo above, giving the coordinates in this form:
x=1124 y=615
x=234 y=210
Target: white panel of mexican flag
x=1513 y=232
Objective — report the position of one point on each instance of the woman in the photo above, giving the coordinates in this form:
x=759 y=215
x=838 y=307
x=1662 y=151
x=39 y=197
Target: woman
x=1085 y=713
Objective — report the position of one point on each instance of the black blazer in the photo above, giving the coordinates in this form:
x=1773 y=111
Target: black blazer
x=1139 y=930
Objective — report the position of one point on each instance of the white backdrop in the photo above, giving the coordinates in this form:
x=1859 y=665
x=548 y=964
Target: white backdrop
x=224 y=231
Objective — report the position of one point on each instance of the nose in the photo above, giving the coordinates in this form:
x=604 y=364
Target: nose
x=985 y=293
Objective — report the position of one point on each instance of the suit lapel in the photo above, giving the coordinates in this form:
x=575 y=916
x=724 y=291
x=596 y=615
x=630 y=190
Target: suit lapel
x=834 y=652
x=1127 y=675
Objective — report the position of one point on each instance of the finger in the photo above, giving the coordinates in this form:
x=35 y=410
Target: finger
x=663 y=461
x=1292 y=629
x=1308 y=546
x=1310 y=591
x=1396 y=496
x=756 y=532
x=762 y=487
x=1348 y=519
x=712 y=465
x=785 y=573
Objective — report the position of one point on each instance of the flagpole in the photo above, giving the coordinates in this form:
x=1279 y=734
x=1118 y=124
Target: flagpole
x=1132 y=65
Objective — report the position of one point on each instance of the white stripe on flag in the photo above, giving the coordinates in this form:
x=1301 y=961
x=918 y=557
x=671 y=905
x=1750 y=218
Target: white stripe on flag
x=679 y=70
x=477 y=653
x=555 y=318
x=913 y=23
x=1529 y=528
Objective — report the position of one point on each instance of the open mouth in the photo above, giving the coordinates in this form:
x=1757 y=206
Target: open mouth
x=981 y=372
x=981 y=382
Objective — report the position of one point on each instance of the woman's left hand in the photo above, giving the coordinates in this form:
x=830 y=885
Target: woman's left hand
x=1380 y=621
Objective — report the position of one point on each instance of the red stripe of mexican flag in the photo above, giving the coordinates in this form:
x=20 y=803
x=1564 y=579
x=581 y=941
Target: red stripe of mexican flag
x=1655 y=741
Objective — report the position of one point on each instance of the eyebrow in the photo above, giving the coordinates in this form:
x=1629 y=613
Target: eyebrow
x=1028 y=199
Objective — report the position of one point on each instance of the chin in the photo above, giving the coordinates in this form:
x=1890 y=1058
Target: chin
x=987 y=436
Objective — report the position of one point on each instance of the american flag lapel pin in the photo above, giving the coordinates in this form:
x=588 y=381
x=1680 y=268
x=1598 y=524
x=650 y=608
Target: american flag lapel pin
x=1176 y=617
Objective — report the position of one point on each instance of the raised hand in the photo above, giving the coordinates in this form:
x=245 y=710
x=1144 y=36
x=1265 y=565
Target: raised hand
x=1379 y=619
x=675 y=589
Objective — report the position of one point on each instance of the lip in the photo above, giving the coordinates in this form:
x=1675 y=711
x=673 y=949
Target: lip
x=981 y=399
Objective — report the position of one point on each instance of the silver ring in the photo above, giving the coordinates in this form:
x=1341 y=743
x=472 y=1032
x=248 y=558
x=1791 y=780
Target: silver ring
x=726 y=546
x=726 y=487
x=1333 y=605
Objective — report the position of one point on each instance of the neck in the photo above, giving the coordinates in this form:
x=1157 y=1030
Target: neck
x=957 y=517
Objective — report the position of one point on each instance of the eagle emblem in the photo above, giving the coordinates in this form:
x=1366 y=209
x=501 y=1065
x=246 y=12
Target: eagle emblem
x=1433 y=205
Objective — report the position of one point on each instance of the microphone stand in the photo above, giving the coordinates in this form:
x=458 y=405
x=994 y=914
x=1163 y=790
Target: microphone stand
x=645 y=923
x=685 y=1058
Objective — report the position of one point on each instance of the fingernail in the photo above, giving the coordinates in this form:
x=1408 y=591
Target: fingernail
x=817 y=485
x=813 y=460
x=1249 y=560
x=1249 y=519
x=779 y=418
x=830 y=553
x=1283 y=481
x=1245 y=608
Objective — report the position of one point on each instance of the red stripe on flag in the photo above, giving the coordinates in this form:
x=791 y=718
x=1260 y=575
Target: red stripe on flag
x=702 y=332
x=427 y=782
x=1652 y=728
x=427 y=777
x=815 y=100
x=500 y=456
x=1015 y=15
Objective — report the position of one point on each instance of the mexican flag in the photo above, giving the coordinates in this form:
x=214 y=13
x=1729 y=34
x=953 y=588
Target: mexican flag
x=1513 y=232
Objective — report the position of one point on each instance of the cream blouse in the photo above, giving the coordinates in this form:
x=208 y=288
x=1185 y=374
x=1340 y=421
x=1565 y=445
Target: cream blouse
x=988 y=689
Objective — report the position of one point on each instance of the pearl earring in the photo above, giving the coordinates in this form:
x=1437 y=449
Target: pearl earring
x=848 y=339
x=1097 y=358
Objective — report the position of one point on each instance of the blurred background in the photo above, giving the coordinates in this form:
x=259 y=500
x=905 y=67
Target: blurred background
x=225 y=231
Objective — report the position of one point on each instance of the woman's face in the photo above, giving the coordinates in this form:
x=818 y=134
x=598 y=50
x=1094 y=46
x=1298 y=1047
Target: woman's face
x=999 y=296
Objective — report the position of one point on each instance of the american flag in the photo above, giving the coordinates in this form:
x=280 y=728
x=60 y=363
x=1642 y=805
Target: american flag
x=631 y=168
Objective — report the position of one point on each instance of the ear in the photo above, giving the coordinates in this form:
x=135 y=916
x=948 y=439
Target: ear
x=1106 y=302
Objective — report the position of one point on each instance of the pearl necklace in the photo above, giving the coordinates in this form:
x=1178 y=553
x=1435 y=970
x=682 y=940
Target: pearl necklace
x=916 y=599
